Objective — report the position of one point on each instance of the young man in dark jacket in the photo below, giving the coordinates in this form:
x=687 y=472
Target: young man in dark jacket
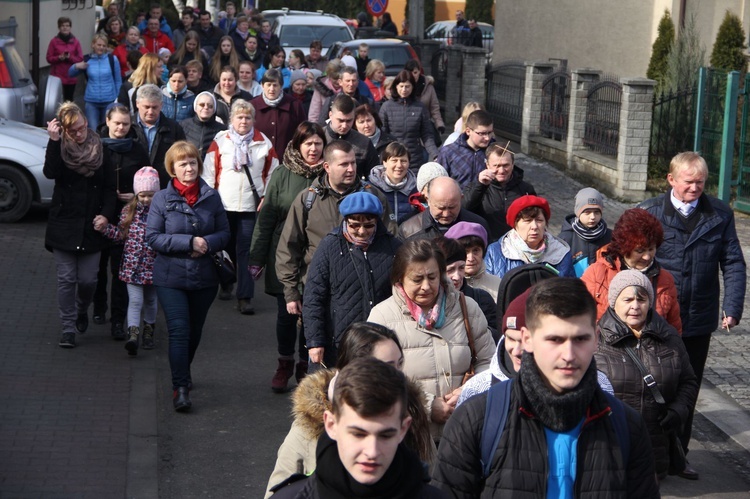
x=556 y=414
x=361 y=454
x=699 y=240
x=465 y=158
x=341 y=127
x=492 y=191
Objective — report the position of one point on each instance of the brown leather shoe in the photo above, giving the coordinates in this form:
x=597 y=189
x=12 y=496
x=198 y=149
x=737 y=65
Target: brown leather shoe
x=281 y=376
x=688 y=473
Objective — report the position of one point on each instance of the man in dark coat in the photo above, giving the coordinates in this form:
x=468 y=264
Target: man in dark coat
x=154 y=131
x=556 y=414
x=699 y=240
x=443 y=212
x=341 y=127
x=475 y=35
x=495 y=188
x=210 y=35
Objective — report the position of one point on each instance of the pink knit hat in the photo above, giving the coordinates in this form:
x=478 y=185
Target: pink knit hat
x=146 y=179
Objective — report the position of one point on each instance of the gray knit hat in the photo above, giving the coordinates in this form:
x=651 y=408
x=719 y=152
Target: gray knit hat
x=297 y=74
x=588 y=197
x=628 y=278
x=428 y=172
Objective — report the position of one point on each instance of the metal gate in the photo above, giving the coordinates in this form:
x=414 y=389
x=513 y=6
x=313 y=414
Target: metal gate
x=555 y=105
x=505 y=89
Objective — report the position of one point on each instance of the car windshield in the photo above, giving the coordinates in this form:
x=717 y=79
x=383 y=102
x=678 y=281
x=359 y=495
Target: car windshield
x=13 y=73
x=391 y=56
x=301 y=36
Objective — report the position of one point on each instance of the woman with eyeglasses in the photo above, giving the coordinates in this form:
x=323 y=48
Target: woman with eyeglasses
x=201 y=129
x=348 y=275
x=83 y=201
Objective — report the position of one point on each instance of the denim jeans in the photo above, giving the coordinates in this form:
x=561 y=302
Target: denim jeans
x=76 y=282
x=185 y=312
x=241 y=226
x=96 y=113
x=286 y=332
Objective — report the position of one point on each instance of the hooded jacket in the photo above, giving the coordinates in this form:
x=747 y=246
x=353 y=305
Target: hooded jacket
x=502 y=257
x=309 y=401
x=177 y=106
x=437 y=359
x=694 y=259
x=409 y=121
x=425 y=89
x=492 y=201
x=663 y=354
x=322 y=90
x=598 y=276
x=583 y=253
x=398 y=197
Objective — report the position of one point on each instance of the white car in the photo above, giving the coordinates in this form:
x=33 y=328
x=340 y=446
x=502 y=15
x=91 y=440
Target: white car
x=296 y=30
x=22 y=150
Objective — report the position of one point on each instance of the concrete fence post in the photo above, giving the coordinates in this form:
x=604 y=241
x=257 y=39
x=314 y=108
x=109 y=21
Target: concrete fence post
x=536 y=72
x=453 y=84
x=581 y=81
x=635 y=135
x=473 y=77
x=429 y=49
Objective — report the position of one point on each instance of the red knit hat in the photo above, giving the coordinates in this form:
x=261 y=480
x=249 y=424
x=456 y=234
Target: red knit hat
x=524 y=202
x=515 y=315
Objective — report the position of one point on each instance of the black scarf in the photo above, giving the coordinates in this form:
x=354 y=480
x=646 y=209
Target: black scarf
x=558 y=412
x=118 y=145
x=403 y=480
x=65 y=38
x=589 y=234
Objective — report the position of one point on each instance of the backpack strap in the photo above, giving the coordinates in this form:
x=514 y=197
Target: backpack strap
x=495 y=417
x=620 y=423
x=112 y=66
x=310 y=199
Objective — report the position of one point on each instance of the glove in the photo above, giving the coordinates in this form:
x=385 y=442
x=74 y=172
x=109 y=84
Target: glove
x=441 y=129
x=671 y=421
x=255 y=271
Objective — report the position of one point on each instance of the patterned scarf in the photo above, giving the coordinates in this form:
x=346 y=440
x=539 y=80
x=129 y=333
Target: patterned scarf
x=294 y=163
x=84 y=158
x=589 y=234
x=531 y=255
x=241 y=150
x=361 y=245
x=435 y=318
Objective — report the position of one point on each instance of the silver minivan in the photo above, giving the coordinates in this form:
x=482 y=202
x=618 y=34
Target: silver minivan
x=18 y=94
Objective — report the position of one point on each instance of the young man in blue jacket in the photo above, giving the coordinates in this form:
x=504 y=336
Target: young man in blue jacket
x=558 y=439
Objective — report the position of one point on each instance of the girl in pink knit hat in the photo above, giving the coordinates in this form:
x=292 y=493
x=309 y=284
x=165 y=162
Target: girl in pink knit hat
x=136 y=269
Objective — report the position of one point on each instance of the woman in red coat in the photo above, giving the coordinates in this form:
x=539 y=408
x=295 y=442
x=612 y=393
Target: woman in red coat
x=277 y=114
x=636 y=237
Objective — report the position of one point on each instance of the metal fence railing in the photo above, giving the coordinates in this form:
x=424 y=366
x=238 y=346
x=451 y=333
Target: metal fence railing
x=555 y=105
x=439 y=66
x=505 y=90
x=602 y=129
x=672 y=128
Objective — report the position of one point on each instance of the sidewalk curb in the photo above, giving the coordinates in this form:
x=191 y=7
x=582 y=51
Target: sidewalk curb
x=724 y=413
x=143 y=469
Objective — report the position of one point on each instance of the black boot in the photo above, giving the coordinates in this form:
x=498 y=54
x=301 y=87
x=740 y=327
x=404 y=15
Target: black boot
x=148 y=336
x=181 y=399
x=118 y=331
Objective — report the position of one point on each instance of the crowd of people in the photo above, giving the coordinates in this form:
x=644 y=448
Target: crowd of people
x=405 y=268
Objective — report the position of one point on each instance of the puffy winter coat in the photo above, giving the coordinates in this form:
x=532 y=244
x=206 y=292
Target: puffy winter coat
x=492 y=201
x=461 y=161
x=76 y=200
x=663 y=354
x=502 y=257
x=202 y=133
x=167 y=133
x=123 y=159
x=343 y=284
x=309 y=401
x=177 y=106
x=695 y=258
x=398 y=198
x=137 y=264
x=376 y=89
x=58 y=67
x=428 y=97
x=409 y=121
x=171 y=226
x=487 y=305
x=582 y=252
x=282 y=189
x=232 y=184
x=364 y=151
x=425 y=227
x=322 y=89
x=437 y=359
x=312 y=215
x=280 y=122
x=520 y=466
x=598 y=276
x=486 y=281
x=103 y=84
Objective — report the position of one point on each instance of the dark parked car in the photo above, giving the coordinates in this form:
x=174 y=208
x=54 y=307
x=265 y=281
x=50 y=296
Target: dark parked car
x=393 y=52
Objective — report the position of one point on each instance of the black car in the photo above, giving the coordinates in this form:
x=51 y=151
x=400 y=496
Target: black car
x=391 y=51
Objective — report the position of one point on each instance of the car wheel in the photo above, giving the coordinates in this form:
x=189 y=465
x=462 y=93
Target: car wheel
x=16 y=194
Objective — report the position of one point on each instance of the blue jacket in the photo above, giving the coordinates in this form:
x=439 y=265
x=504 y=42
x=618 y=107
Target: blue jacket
x=344 y=284
x=178 y=107
x=172 y=224
x=694 y=259
x=103 y=83
x=461 y=161
x=500 y=258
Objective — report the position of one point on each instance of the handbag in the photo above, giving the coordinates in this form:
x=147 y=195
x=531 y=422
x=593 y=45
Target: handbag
x=224 y=268
x=471 y=372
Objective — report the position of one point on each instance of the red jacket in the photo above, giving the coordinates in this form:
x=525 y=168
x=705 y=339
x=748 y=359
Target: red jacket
x=121 y=52
x=154 y=43
x=599 y=274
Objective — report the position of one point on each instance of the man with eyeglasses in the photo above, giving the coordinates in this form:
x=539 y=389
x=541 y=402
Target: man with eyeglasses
x=465 y=158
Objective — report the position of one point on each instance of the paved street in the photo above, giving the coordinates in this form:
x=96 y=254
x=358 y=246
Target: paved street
x=91 y=422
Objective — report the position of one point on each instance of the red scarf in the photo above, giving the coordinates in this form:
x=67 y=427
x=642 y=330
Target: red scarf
x=189 y=192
